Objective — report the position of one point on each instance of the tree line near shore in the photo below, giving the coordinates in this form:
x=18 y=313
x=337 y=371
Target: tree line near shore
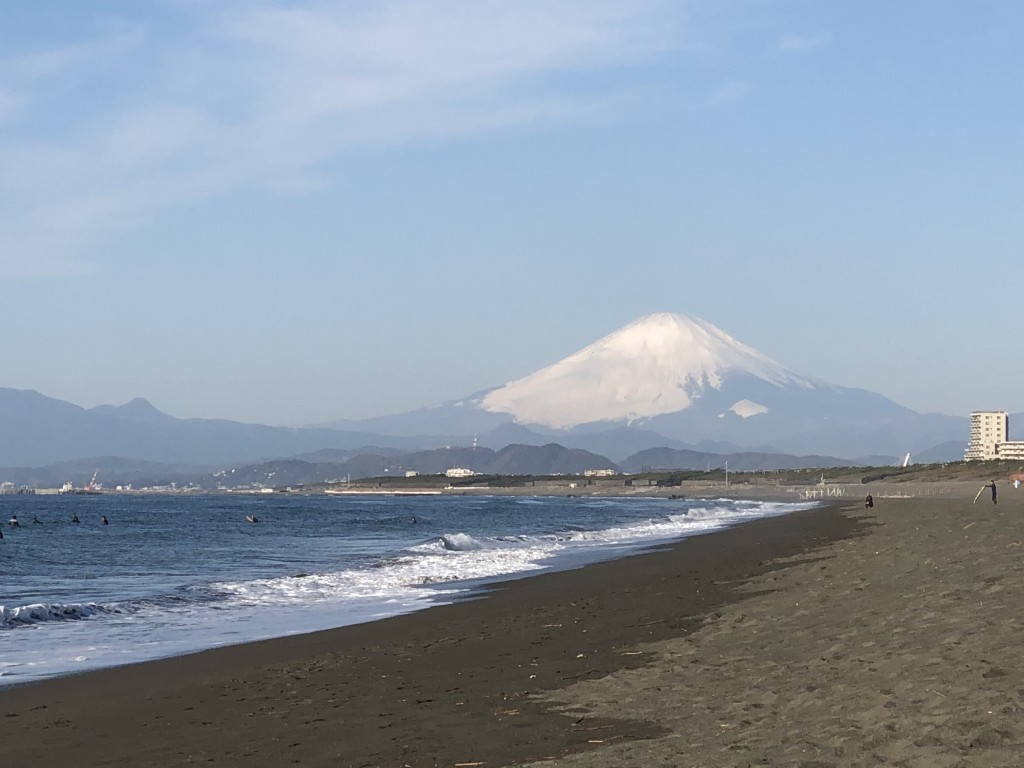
x=939 y=472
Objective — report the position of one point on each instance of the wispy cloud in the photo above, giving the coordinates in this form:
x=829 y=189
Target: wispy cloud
x=801 y=43
x=81 y=57
x=263 y=94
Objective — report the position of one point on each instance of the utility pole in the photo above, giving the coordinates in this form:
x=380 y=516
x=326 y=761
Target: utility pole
x=726 y=473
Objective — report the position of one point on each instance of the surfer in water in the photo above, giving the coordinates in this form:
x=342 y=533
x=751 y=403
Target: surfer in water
x=36 y=520
x=74 y=518
x=13 y=522
x=104 y=519
x=251 y=519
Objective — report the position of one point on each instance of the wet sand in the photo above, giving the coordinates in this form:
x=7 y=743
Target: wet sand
x=837 y=637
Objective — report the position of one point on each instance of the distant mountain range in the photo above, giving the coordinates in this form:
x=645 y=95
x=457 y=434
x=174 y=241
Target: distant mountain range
x=36 y=430
x=666 y=381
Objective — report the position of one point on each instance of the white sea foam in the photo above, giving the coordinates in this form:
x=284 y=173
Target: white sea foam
x=446 y=560
x=461 y=542
x=457 y=557
x=434 y=570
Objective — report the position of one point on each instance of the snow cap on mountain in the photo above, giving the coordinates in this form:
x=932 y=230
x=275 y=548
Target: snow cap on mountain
x=656 y=365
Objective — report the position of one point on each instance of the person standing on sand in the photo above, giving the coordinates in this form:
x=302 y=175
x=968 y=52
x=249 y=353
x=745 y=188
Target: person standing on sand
x=992 y=485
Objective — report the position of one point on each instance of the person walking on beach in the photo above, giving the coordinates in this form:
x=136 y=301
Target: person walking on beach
x=869 y=502
x=992 y=485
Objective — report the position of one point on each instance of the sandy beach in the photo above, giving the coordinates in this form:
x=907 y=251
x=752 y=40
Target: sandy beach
x=842 y=636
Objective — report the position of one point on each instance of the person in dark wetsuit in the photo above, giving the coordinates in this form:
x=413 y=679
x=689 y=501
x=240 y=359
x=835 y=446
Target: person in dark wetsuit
x=74 y=518
x=104 y=519
x=36 y=520
x=13 y=522
x=992 y=485
x=869 y=502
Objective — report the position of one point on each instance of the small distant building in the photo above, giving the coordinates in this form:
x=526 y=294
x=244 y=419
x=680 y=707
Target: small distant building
x=411 y=473
x=598 y=472
x=990 y=438
x=460 y=472
x=1012 y=449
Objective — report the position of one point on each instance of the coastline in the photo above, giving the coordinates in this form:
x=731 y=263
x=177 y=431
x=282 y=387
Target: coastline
x=839 y=635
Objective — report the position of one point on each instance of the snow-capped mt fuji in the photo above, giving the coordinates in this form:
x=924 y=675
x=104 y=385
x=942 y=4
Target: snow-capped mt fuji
x=670 y=379
x=657 y=365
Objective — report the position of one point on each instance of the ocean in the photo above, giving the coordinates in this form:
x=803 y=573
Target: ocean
x=171 y=574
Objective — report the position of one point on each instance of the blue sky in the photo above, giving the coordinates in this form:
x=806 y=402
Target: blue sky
x=303 y=211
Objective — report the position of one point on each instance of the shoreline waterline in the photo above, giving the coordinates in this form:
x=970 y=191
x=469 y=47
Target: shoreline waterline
x=167 y=579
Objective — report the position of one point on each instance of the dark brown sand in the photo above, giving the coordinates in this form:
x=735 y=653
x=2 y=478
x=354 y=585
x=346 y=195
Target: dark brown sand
x=839 y=637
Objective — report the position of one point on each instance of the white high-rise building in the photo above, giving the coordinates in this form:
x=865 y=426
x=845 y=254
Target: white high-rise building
x=990 y=437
